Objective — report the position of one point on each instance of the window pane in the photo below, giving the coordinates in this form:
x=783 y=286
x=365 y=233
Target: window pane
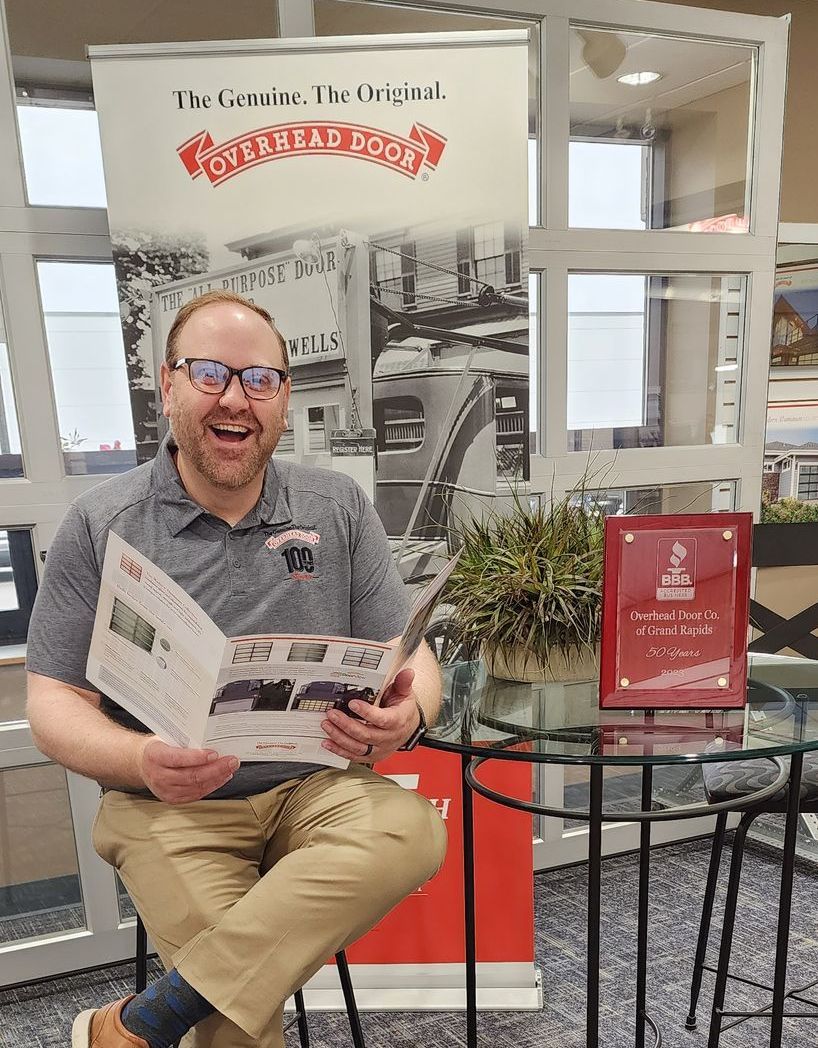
x=11 y=459
x=18 y=585
x=9 y=601
x=698 y=497
x=321 y=421
x=613 y=201
x=39 y=883
x=533 y=183
x=808 y=482
x=534 y=282
x=88 y=370
x=673 y=144
x=400 y=424
x=62 y=158
x=12 y=687
x=286 y=445
x=58 y=126
x=653 y=360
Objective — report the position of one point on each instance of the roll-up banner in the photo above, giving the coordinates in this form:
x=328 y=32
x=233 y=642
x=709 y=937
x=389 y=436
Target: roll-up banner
x=371 y=193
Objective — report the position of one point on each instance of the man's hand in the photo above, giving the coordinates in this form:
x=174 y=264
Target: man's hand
x=178 y=776
x=383 y=729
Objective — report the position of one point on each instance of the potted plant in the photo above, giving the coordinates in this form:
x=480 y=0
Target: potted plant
x=528 y=589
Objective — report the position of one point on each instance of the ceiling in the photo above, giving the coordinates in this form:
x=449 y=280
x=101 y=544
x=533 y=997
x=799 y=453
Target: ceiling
x=48 y=48
x=691 y=70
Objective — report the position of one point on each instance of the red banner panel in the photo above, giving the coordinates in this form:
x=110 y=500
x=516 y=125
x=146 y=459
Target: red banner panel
x=675 y=611
x=428 y=927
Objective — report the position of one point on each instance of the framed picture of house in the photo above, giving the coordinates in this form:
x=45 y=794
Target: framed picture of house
x=791 y=446
x=795 y=315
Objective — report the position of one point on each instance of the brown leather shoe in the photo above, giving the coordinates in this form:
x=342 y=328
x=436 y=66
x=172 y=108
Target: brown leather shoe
x=102 y=1028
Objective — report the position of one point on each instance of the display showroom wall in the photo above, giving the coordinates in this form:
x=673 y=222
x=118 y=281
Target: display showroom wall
x=706 y=141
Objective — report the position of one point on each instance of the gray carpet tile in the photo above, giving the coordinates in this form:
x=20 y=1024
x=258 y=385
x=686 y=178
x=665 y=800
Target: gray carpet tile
x=40 y=1016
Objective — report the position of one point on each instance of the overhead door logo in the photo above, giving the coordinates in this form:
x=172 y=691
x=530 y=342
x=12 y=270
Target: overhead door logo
x=407 y=155
x=676 y=569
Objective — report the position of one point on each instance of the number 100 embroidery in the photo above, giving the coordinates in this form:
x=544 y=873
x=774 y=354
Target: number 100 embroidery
x=298 y=558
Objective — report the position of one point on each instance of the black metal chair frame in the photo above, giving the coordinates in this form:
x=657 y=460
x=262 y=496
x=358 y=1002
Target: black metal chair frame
x=719 y=1014
x=300 y=1016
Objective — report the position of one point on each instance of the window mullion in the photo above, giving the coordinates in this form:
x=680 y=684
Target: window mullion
x=12 y=191
x=28 y=357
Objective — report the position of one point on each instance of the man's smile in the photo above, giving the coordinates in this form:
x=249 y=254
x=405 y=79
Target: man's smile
x=230 y=432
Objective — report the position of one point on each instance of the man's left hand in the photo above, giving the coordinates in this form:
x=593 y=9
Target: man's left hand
x=382 y=729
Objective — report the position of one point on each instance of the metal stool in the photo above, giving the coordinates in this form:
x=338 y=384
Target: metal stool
x=300 y=1016
x=732 y=779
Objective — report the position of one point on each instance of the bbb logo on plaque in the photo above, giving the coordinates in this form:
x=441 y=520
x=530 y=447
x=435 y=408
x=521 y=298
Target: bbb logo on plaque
x=676 y=569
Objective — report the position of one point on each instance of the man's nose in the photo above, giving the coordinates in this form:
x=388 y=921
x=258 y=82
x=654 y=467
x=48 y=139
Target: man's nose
x=234 y=393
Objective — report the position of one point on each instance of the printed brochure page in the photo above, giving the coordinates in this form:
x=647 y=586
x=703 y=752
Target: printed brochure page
x=157 y=654
x=153 y=650
x=273 y=693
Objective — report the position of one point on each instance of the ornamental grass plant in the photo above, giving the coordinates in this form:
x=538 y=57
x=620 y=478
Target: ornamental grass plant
x=530 y=581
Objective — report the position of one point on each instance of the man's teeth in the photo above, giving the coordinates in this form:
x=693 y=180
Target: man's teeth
x=231 y=429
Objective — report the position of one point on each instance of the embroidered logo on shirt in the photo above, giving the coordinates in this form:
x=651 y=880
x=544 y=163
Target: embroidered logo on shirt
x=299 y=559
x=302 y=535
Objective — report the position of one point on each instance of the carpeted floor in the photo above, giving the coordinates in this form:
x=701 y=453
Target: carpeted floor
x=41 y=1016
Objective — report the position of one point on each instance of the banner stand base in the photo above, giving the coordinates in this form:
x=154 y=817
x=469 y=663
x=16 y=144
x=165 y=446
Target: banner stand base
x=424 y=998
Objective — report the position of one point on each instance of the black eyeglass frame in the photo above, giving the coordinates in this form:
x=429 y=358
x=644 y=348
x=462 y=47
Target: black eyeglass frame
x=187 y=361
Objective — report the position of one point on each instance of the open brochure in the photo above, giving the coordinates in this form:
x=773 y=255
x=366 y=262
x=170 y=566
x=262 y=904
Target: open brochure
x=157 y=654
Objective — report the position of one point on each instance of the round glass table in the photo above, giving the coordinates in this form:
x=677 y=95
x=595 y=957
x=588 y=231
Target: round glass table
x=485 y=719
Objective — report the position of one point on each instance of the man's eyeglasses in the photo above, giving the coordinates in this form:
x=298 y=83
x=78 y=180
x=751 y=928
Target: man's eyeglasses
x=211 y=376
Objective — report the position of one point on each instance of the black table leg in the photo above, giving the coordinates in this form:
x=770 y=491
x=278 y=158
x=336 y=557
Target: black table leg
x=468 y=898
x=642 y=922
x=785 y=899
x=594 y=888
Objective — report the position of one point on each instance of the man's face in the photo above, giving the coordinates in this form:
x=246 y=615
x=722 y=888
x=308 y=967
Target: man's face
x=226 y=458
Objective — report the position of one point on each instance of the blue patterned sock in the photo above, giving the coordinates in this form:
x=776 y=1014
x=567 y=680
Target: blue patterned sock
x=165 y=1011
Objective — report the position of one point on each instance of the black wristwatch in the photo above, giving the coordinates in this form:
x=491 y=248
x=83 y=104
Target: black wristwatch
x=419 y=731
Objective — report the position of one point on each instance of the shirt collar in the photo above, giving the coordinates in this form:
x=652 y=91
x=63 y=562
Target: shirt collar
x=180 y=510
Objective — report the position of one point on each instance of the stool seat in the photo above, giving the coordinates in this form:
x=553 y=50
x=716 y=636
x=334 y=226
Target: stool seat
x=727 y=780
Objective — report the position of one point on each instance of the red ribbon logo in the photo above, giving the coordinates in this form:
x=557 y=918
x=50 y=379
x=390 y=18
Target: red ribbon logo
x=408 y=156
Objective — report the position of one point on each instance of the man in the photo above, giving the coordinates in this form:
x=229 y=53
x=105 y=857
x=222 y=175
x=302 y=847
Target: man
x=247 y=877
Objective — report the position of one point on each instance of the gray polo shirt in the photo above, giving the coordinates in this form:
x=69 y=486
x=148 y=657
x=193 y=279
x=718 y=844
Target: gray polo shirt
x=244 y=585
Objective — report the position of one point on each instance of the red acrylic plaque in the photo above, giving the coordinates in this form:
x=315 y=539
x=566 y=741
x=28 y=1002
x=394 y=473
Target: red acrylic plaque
x=675 y=611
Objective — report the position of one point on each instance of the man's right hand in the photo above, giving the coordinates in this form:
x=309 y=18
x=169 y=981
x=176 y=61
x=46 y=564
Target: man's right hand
x=178 y=776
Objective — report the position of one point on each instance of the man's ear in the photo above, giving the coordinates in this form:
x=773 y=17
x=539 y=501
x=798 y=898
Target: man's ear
x=166 y=388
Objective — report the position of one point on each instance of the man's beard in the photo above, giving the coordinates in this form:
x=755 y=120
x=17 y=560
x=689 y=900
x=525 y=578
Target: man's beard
x=191 y=438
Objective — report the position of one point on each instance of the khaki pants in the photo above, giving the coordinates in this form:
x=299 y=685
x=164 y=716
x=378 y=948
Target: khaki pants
x=249 y=898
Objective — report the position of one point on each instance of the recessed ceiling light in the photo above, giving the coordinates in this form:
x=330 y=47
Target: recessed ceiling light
x=639 y=79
